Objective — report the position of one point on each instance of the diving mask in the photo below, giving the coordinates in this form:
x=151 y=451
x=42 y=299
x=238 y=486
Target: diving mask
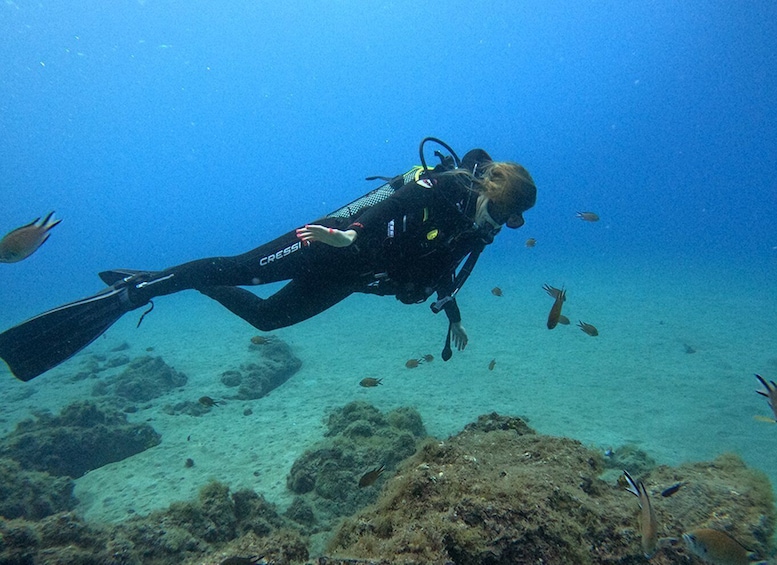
x=483 y=217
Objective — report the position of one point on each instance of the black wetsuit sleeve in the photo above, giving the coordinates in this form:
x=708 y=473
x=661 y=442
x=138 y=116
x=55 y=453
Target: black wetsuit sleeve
x=452 y=311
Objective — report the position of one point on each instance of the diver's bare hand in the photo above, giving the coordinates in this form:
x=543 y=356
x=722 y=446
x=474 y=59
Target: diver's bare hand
x=458 y=336
x=329 y=236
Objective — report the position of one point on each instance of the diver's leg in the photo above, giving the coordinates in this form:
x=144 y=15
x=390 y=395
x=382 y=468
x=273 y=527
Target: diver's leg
x=278 y=260
x=281 y=259
x=295 y=302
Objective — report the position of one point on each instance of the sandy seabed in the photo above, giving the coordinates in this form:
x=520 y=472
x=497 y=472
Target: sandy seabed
x=671 y=372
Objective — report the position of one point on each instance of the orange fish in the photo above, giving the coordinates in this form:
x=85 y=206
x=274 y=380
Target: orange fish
x=560 y=296
x=496 y=291
x=648 y=523
x=531 y=242
x=588 y=216
x=24 y=241
x=715 y=546
x=588 y=328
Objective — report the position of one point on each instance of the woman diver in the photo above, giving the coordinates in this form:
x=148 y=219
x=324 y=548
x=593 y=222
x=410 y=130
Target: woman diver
x=406 y=239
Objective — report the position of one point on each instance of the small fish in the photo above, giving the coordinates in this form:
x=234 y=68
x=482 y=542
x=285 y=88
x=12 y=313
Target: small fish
x=588 y=328
x=496 y=291
x=669 y=491
x=428 y=358
x=560 y=295
x=492 y=364
x=261 y=339
x=647 y=521
x=208 y=401
x=24 y=241
x=588 y=216
x=371 y=476
x=770 y=394
x=370 y=382
x=531 y=242
x=718 y=548
x=563 y=320
x=413 y=363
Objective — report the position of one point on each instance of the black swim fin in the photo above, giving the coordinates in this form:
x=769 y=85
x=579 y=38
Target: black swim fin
x=35 y=346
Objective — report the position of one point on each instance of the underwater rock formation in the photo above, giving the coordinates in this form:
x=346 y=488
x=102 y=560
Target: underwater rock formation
x=276 y=364
x=218 y=524
x=81 y=438
x=32 y=494
x=498 y=493
x=359 y=438
x=144 y=379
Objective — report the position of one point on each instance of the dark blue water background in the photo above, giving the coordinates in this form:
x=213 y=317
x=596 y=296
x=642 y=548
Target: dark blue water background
x=166 y=131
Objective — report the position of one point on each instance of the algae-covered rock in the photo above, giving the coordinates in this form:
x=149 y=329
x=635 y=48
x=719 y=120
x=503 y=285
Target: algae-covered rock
x=498 y=493
x=275 y=365
x=359 y=439
x=32 y=494
x=217 y=525
x=723 y=494
x=630 y=457
x=144 y=379
x=81 y=438
x=192 y=529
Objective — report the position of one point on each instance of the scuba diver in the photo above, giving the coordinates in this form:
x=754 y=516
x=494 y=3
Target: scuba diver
x=406 y=238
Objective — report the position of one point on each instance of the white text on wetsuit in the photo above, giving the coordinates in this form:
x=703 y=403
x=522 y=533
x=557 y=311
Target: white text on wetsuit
x=264 y=261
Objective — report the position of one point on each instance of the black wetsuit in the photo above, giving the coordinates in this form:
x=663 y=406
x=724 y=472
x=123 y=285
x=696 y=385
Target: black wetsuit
x=409 y=245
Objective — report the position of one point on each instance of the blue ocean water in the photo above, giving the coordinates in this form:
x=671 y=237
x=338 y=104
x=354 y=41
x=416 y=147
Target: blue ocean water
x=162 y=132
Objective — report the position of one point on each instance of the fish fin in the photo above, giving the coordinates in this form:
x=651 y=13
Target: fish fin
x=46 y=219
x=49 y=227
x=633 y=487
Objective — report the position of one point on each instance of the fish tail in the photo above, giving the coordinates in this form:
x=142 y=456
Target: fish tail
x=46 y=225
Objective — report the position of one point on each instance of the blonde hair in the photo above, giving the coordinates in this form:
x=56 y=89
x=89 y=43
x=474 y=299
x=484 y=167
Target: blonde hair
x=507 y=185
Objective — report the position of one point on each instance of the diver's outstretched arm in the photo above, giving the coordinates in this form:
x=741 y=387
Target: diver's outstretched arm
x=330 y=236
